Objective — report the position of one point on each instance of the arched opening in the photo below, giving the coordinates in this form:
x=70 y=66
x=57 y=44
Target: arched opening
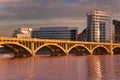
x=14 y=50
x=100 y=51
x=5 y=52
x=116 y=50
x=50 y=50
x=79 y=50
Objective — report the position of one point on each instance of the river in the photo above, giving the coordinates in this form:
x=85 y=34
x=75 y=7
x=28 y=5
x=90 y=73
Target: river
x=99 y=67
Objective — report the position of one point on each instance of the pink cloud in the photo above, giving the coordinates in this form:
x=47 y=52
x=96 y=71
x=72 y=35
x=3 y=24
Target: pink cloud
x=8 y=1
x=53 y=9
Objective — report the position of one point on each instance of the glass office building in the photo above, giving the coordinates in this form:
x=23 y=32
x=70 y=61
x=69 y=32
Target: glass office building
x=99 y=26
x=58 y=33
x=116 y=37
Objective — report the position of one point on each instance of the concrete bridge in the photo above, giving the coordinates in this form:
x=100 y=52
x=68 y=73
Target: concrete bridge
x=30 y=47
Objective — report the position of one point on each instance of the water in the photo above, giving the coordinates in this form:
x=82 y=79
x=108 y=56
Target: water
x=104 y=67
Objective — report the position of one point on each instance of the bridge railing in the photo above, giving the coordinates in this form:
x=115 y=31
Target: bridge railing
x=50 y=40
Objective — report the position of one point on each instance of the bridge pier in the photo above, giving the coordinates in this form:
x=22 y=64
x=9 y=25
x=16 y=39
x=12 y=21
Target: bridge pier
x=111 y=47
x=111 y=51
x=91 y=52
x=33 y=54
x=32 y=49
x=67 y=53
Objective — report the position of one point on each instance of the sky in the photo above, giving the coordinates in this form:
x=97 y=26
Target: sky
x=40 y=13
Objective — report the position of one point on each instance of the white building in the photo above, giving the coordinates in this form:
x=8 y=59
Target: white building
x=99 y=26
x=23 y=33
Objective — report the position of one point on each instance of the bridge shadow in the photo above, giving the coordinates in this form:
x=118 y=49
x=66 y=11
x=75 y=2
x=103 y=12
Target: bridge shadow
x=16 y=50
x=6 y=53
x=50 y=50
x=79 y=50
x=100 y=51
x=116 y=50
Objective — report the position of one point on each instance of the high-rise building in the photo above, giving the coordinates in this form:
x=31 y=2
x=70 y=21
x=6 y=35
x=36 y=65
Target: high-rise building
x=22 y=33
x=117 y=30
x=99 y=26
x=59 y=32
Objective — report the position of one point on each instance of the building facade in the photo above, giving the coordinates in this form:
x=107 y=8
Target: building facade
x=99 y=26
x=22 y=33
x=59 y=32
x=82 y=35
x=116 y=24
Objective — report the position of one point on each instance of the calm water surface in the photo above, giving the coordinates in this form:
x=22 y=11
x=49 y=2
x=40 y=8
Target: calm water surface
x=61 y=68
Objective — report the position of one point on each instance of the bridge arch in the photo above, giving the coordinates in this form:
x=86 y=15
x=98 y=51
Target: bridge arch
x=51 y=44
x=116 y=50
x=100 y=49
x=17 y=44
x=80 y=46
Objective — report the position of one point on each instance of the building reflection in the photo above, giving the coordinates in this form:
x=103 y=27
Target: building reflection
x=94 y=68
x=102 y=68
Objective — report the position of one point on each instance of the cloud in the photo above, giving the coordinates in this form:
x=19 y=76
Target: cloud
x=26 y=10
x=4 y=2
x=53 y=9
x=53 y=12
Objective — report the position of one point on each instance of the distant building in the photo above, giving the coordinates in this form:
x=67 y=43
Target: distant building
x=99 y=26
x=117 y=30
x=82 y=35
x=22 y=33
x=59 y=33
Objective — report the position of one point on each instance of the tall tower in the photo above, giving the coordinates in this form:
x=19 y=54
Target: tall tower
x=99 y=26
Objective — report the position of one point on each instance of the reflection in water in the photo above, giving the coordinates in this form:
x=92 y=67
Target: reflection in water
x=105 y=67
x=95 y=68
x=99 y=73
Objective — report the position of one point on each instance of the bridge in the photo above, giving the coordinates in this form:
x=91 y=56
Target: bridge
x=32 y=46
